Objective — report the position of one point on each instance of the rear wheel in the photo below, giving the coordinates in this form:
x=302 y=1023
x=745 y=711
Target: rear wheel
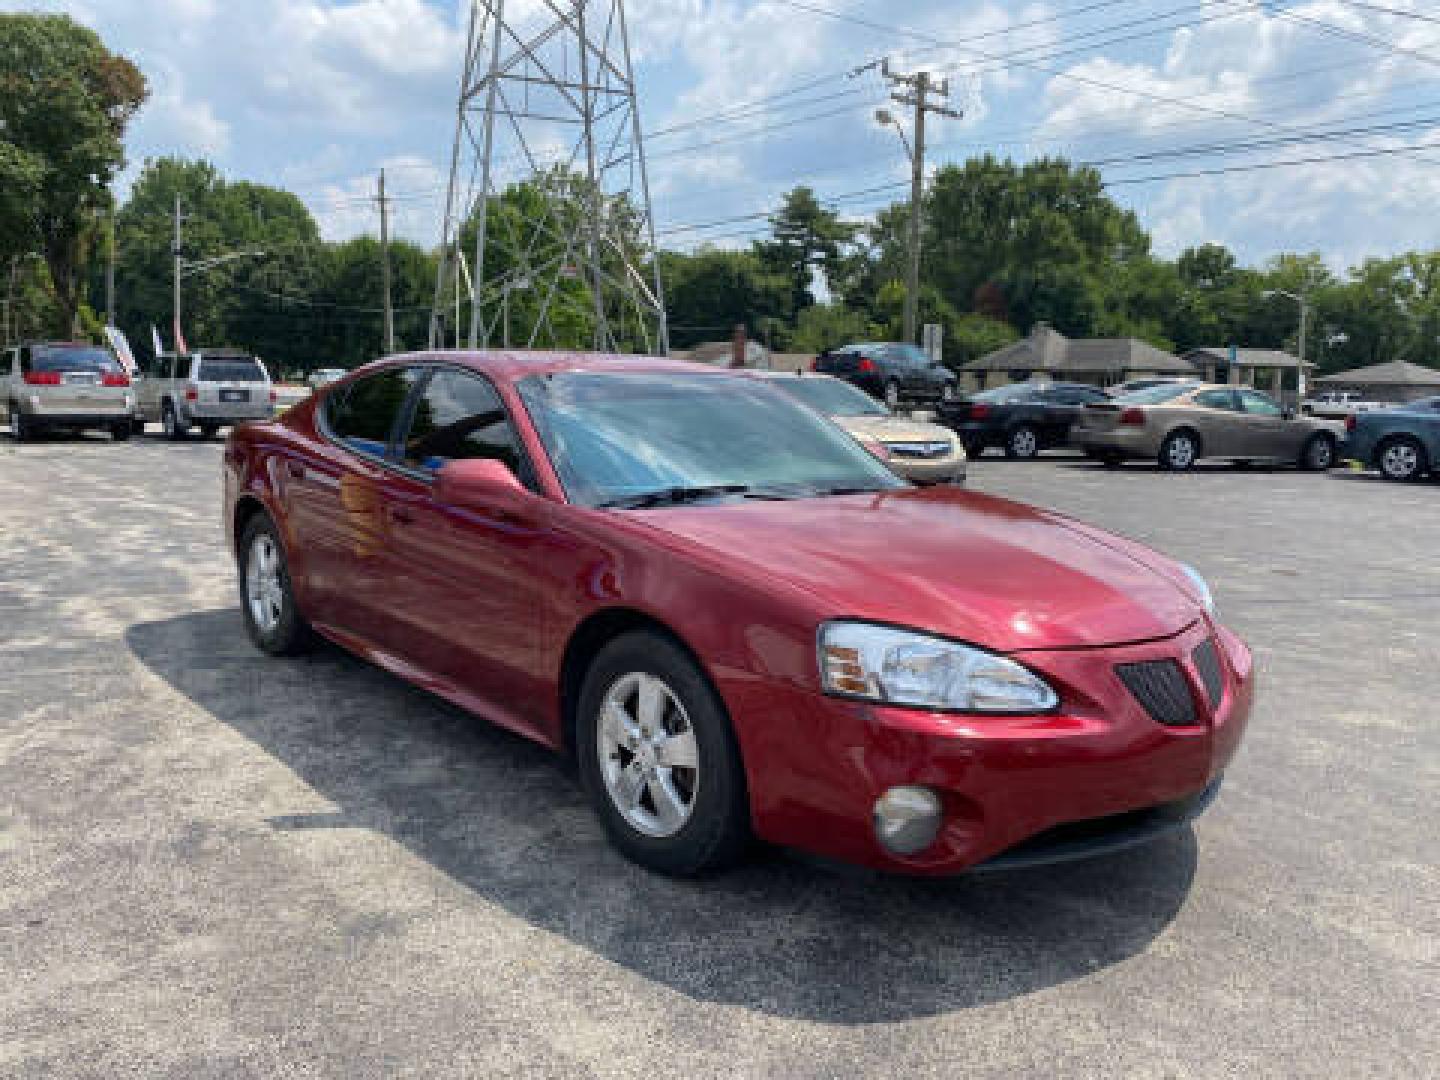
x=120 y=432
x=1179 y=451
x=267 y=597
x=208 y=431
x=1402 y=459
x=170 y=421
x=1023 y=443
x=1319 y=454
x=658 y=758
x=19 y=426
x=974 y=448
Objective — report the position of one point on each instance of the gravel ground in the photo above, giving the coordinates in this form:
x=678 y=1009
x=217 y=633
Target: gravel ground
x=216 y=864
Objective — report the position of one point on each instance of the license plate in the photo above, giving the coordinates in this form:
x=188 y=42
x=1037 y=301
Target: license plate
x=234 y=395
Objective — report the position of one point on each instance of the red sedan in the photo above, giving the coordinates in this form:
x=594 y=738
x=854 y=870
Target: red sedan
x=736 y=620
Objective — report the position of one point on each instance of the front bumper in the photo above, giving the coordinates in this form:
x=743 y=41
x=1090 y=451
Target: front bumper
x=946 y=470
x=59 y=419
x=1002 y=780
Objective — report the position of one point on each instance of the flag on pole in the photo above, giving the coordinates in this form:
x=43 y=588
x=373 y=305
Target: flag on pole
x=117 y=341
x=181 y=349
x=155 y=342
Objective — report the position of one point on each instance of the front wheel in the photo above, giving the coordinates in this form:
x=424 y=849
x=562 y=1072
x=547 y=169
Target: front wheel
x=1319 y=454
x=267 y=597
x=207 y=431
x=120 y=432
x=1403 y=459
x=1179 y=451
x=1022 y=443
x=892 y=395
x=658 y=758
x=19 y=427
x=170 y=421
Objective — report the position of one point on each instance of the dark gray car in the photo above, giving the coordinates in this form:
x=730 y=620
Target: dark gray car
x=1403 y=442
x=891 y=371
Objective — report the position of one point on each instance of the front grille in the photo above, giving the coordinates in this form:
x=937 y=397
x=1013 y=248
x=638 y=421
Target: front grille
x=1207 y=662
x=918 y=449
x=1162 y=689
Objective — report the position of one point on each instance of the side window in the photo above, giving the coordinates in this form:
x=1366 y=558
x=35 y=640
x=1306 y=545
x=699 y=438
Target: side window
x=1259 y=404
x=460 y=416
x=364 y=416
x=26 y=364
x=1216 y=399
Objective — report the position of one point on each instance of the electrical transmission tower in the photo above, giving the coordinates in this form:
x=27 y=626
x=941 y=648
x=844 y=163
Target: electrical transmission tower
x=548 y=236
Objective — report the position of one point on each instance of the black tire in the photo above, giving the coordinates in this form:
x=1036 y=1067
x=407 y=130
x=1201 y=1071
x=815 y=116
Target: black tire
x=1318 y=454
x=170 y=421
x=1402 y=459
x=1112 y=459
x=1022 y=442
x=137 y=426
x=290 y=634
x=1174 y=455
x=891 y=395
x=208 y=431
x=19 y=426
x=120 y=432
x=717 y=830
x=974 y=448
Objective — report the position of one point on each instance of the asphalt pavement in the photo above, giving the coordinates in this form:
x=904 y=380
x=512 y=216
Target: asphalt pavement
x=218 y=864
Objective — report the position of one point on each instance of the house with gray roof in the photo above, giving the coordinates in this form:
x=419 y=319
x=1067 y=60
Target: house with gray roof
x=1264 y=369
x=1048 y=354
x=1398 y=381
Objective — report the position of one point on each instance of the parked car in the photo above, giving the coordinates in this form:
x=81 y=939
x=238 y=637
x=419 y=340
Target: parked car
x=1121 y=389
x=921 y=452
x=324 y=376
x=210 y=390
x=891 y=371
x=735 y=619
x=1178 y=424
x=1338 y=405
x=1021 y=419
x=1402 y=442
x=52 y=385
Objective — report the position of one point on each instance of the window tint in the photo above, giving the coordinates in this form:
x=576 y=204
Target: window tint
x=231 y=369
x=1216 y=399
x=459 y=416
x=1156 y=395
x=62 y=358
x=363 y=416
x=1259 y=404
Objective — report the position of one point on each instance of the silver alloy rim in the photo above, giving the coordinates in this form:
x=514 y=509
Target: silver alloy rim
x=14 y=422
x=649 y=760
x=170 y=424
x=1023 y=442
x=1401 y=459
x=263 y=591
x=1321 y=454
x=948 y=392
x=1182 y=452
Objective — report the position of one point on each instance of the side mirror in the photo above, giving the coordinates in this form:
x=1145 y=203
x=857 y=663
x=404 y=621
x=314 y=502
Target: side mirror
x=477 y=484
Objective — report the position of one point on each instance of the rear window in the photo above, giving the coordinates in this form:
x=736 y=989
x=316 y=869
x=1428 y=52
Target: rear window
x=1154 y=395
x=231 y=369
x=59 y=358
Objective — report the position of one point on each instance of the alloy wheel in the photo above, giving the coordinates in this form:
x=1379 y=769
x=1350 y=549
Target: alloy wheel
x=1024 y=443
x=1181 y=452
x=649 y=759
x=264 y=592
x=1400 y=461
x=17 y=425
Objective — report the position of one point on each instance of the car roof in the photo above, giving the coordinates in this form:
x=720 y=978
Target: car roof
x=512 y=364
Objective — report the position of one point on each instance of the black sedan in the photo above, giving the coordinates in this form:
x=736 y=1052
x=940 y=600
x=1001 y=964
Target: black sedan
x=1021 y=419
x=891 y=371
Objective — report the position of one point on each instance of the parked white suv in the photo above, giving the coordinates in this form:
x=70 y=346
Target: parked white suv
x=65 y=385
x=207 y=389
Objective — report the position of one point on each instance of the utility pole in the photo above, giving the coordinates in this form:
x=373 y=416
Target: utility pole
x=385 y=265
x=175 y=329
x=110 y=271
x=917 y=92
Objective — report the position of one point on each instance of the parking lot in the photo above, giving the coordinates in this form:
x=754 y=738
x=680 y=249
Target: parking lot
x=213 y=863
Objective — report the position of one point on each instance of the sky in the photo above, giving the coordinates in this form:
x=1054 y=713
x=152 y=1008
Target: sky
x=744 y=99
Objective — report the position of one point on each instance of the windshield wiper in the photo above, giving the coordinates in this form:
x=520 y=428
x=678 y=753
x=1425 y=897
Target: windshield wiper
x=674 y=496
x=849 y=490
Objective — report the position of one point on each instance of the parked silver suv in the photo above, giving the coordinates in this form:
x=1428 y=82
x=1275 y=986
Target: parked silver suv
x=65 y=385
x=210 y=389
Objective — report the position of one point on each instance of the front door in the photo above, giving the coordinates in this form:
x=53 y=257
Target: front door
x=466 y=598
x=1270 y=432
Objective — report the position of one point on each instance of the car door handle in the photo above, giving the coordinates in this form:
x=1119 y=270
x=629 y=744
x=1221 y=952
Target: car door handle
x=401 y=516
x=295 y=469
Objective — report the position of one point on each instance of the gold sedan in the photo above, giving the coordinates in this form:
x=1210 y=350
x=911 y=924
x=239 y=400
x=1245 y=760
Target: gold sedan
x=919 y=452
x=1178 y=424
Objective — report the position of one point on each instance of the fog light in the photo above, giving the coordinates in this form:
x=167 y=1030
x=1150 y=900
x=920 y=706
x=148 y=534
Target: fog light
x=907 y=819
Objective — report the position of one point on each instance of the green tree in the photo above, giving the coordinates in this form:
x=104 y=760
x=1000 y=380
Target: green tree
x=806 y=239
x=710 y=291
x=65 y=102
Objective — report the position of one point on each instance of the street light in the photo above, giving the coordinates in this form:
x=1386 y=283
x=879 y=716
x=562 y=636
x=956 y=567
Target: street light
x=885 y=118
x=187 y=267
x=1304 y=319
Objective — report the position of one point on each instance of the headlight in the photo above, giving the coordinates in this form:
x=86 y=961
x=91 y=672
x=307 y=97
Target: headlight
x=1207 y=599
x=902 y=667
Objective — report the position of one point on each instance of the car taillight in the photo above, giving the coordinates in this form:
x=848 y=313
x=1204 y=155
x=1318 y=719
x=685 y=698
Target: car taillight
x=42 y=378
x=1133 y=416
x=866 y=364
x=274 y=397
x=1350 y=422
x=191 y=394
x=114 y=379
x=979 y=412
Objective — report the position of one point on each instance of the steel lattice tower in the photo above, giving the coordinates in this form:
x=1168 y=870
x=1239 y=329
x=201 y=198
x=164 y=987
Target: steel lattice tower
x=548 y=235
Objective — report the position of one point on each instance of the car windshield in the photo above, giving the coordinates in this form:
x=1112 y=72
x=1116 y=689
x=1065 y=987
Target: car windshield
x=62 y=358
x=831 y=396
x=231 y=369
x=618 y=437
x=1155 y=395
x=1002 y=395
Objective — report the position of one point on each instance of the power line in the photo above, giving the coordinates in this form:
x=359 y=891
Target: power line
x=1350 y=155
x=1391 y=11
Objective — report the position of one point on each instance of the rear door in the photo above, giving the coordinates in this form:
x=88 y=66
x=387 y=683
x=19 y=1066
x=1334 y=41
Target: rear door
x=466 y=591
x=1216 y=416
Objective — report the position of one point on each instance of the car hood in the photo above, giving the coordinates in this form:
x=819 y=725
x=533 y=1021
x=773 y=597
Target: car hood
x=962 y=564
x=893 y=429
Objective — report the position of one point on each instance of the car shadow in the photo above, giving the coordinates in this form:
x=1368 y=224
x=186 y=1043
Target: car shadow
x=782 y=934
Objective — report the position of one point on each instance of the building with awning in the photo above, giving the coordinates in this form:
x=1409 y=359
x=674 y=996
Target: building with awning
x=1264 y=369
x=1397 y=380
